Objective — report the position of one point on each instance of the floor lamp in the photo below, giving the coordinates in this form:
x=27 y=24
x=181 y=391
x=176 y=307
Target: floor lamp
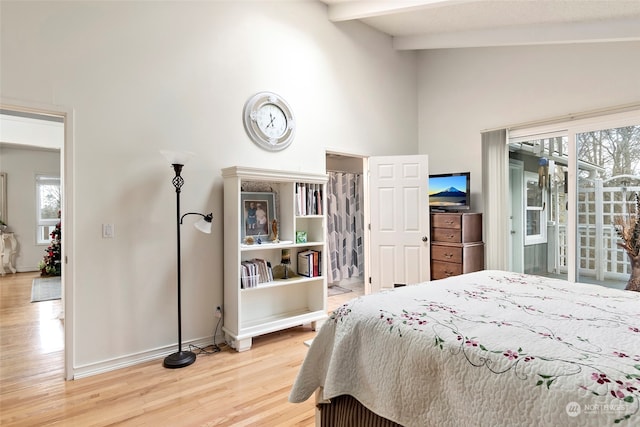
x=177 y=159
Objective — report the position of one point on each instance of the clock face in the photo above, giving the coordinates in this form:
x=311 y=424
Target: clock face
x=269 y=121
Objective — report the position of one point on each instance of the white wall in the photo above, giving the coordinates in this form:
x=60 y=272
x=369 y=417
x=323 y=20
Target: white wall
x=142 y=76
x=465 y=91
x=22 y=164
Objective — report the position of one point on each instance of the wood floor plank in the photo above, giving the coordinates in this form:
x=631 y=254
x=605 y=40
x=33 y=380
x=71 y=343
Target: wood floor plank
x=221 y=389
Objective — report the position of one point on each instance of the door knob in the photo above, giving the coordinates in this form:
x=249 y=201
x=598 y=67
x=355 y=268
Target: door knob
x=425 y=239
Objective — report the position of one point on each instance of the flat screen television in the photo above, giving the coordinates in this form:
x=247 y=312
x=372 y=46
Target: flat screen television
x=450 y=191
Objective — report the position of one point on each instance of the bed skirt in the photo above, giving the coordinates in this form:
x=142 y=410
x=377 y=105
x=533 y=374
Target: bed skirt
x=346 y=411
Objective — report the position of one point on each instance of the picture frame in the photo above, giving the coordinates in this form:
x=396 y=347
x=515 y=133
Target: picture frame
x=301 y=237
x=257 y=211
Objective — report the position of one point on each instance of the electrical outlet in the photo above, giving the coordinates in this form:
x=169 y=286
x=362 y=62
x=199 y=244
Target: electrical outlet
x=218 y=311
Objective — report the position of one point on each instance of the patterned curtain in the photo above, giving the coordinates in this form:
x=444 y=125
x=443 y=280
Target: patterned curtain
x=345 y=227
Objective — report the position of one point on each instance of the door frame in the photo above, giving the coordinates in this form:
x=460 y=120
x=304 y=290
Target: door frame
x=516 y=217
x=66 y=219
x=365 y=208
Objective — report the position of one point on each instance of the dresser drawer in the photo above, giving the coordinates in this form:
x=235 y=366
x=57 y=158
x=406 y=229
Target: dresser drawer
x=448 y=235
x=444 y=220
x=468 y=227
x=446 y=253
x=441 y=270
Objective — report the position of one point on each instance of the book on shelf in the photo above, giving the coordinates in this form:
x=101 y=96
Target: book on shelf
x=309 y=262
x=255 y=272
x=308 y=199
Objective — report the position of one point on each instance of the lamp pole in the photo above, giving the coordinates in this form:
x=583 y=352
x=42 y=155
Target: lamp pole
x=180 y=358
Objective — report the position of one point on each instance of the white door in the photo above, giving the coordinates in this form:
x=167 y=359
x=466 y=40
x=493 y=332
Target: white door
x=399 y=243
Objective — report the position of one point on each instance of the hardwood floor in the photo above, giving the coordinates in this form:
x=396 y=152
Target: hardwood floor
x=221 y=389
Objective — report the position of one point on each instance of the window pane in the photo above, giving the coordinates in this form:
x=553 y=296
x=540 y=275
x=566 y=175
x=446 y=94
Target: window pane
x=533 y=223
x=48 y=205
x=44 y=234
x=49 y=201
x=608 y=178
x=534 y=194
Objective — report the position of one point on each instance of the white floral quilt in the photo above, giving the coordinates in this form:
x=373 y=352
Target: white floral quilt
x=484 y=349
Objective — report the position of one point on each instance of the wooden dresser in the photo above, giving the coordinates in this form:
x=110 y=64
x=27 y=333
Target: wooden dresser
x=456 y=244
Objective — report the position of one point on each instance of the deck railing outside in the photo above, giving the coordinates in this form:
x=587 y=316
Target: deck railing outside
x=599 y=255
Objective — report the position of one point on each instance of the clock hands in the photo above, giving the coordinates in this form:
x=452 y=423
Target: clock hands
x=271 y=121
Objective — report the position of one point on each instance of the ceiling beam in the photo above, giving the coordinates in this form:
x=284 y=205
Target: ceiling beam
x=350 y=10
x=591 y=32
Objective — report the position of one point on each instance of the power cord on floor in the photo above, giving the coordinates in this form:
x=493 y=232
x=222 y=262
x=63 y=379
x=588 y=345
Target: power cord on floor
x=213 y=348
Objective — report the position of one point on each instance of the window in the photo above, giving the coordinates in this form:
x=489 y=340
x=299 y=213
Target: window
x=536 y=214
x=48 y=204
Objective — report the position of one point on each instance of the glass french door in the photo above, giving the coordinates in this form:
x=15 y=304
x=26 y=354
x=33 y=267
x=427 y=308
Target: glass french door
x=608 y=177
x=568 y=183
x=538 y=205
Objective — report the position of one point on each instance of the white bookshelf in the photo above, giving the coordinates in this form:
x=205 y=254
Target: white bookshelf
x=281 y=303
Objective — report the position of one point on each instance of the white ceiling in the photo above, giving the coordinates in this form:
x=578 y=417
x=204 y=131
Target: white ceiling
x=437 y=24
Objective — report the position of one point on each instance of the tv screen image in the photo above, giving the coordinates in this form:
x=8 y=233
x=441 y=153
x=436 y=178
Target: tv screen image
x=449 y=191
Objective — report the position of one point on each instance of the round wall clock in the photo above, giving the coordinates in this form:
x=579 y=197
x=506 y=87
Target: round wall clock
x=269 y=122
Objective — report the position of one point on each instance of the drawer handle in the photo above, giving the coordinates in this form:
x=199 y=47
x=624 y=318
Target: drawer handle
x=451 y=236
x=448 y=255
x=449 y=222
x=448 y=273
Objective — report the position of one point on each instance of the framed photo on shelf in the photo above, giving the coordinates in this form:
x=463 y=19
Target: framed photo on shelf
x=257 y=210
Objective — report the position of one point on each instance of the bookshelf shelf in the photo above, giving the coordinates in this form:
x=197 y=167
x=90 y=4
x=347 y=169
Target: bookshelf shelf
x=279 y=303
x=282 y=245
x=283 y=282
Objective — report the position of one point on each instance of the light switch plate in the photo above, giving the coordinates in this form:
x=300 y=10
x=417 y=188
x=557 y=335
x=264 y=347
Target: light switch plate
x=108 y=231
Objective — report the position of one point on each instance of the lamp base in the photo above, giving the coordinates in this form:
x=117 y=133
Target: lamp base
x=179 y=359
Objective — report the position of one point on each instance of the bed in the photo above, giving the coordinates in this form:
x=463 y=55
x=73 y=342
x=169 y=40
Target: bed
x=489 y=348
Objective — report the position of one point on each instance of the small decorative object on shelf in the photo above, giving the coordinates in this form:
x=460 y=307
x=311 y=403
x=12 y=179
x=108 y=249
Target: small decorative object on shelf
x=274 y=231
x=285 y=261
x=301 y=237
x=628 y=229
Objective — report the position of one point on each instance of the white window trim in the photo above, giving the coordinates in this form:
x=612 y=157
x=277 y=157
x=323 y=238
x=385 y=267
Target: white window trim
x=44 y=179
x=535 y=239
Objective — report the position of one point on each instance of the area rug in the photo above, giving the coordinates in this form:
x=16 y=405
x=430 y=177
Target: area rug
x=46 y=289
x=336 y=290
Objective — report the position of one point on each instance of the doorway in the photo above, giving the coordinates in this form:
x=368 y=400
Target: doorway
x=345 y=223
x=35 y=119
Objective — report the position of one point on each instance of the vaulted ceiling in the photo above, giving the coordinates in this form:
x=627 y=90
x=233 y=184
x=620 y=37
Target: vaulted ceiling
x=437 y=24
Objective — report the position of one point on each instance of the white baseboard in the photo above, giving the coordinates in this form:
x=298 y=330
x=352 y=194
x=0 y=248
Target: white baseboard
x=136 y=359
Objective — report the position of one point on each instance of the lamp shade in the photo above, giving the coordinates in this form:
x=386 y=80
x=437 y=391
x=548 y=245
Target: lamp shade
x=203 y=225
x=177 y=157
